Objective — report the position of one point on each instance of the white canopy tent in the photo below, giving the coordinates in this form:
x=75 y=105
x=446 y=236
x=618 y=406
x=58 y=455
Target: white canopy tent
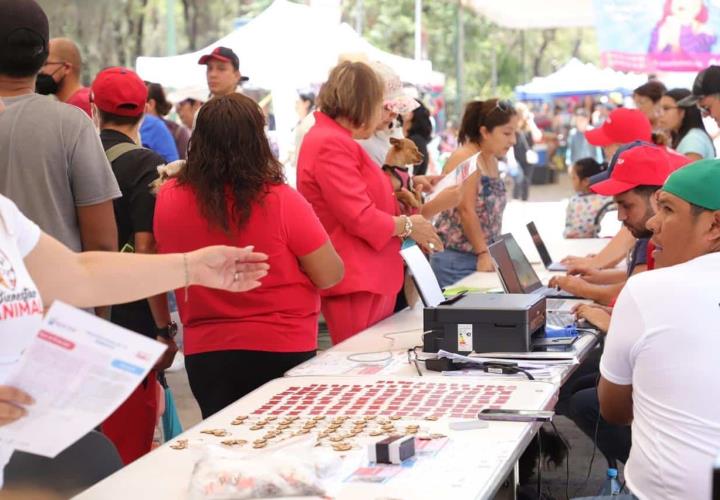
x=534 y=14
x=286 y=42
x=578 y=78
x=287 y=47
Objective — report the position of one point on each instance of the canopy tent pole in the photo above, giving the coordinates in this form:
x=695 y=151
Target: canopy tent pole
x=171 y=34
x=459 y=59
x=418 y=30
x=359 y=16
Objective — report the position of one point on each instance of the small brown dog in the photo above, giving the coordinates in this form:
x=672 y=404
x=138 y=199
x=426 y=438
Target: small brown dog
x=402 y=153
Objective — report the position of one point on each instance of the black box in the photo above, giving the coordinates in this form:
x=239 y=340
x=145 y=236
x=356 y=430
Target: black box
x=487 y=322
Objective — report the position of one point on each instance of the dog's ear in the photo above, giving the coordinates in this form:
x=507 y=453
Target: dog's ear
x=395 y=141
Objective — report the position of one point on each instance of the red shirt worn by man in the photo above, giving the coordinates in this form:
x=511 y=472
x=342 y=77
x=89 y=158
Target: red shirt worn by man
x=81 y=99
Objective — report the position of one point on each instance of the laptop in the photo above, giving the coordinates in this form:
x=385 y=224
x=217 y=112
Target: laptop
x=518 y=276
x=549 y=264
x=426 y=283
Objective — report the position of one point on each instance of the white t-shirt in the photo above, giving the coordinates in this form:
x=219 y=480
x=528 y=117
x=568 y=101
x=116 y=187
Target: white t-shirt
x=664 y=340
x=21 y=307
x=378 y=145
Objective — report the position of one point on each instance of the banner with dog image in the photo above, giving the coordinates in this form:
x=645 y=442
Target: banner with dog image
x=646 y=36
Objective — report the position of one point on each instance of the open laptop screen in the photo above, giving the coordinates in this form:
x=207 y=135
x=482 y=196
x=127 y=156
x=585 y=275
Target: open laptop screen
x=427 y=284
x=539 y=244
x=504 y=267
x=526 y=275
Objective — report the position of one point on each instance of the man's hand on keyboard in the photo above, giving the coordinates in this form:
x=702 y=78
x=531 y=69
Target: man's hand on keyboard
x=599 y=316
x=572 y=284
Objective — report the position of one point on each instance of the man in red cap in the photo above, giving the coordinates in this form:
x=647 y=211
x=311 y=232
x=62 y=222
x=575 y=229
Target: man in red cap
x=118 y=100
x=636 y=174
x=223 y=71
x=622 y=127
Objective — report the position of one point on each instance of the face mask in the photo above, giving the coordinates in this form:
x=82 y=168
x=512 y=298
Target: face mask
x=46 y=85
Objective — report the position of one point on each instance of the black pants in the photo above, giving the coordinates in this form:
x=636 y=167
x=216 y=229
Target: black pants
x=612 y=440
x=89 y=460
x=586 y=376
x=220 y=378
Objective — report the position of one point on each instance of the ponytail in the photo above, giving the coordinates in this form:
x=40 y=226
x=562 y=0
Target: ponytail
x=471 y=122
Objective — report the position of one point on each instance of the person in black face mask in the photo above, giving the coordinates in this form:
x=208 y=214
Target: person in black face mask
x=61 y=75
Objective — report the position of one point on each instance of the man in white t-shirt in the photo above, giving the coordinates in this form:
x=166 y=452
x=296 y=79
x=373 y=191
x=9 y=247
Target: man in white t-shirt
x=659 y=367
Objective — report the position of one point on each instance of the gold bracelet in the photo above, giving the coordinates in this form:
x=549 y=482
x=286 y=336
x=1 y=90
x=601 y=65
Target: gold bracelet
x=187 y=276
x=407 y=231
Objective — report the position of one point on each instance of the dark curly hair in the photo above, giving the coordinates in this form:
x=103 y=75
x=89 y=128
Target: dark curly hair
x=229 y=156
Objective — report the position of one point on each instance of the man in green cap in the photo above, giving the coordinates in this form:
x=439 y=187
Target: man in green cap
x=659 y=367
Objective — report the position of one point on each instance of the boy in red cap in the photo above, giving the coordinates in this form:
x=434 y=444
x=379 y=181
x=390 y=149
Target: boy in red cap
x=118 y=100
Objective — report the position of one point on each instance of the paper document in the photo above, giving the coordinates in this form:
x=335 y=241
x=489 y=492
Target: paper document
x=584 y=341
x=345 y=363
x=525 y=365
x=460 y=174
x=79 y=369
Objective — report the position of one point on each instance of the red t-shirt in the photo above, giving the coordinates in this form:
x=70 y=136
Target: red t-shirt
x=650 y=257
x=279 y=316
x=81 y=99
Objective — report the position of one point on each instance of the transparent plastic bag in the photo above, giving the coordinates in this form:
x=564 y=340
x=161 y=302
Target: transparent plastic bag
x=292 y=470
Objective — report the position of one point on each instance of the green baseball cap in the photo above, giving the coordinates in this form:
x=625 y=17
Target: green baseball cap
x=697 y=183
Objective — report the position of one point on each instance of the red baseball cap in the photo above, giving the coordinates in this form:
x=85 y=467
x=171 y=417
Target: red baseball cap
x=223 y=54
x=639 y=166
x=119 y=91
x=621 y=127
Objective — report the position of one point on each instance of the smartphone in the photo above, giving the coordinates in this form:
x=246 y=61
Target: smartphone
x=516 y=415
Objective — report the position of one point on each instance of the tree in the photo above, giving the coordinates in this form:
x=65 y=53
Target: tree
x=116 y=32
x=390 y=26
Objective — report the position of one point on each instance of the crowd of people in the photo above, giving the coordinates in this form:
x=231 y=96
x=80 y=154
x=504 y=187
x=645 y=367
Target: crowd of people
x=101 y=190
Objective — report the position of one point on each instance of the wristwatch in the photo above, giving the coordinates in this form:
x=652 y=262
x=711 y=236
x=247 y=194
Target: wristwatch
x=168 y=332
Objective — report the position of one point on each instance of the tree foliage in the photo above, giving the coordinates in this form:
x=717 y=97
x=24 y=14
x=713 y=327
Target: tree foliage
x=116 y=32
x=519 y=55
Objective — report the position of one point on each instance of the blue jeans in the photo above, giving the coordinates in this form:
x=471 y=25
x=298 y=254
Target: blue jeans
x=450 y=266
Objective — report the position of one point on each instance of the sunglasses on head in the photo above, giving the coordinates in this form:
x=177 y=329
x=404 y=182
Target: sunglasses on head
x=503 y=105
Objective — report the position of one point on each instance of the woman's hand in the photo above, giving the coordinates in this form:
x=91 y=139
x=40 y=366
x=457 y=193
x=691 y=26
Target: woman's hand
x=595 y=315
x=484 y=263
x=445 y=200
x=11 y=399
x=227 y=268
x=425 y=183
x=424 y=234
x=166 y=360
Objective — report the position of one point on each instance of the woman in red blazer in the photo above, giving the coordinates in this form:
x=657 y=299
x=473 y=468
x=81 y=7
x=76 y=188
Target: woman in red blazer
x=355 y=202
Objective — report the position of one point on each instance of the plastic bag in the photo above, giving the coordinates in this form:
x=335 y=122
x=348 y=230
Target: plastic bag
x=296 y=469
